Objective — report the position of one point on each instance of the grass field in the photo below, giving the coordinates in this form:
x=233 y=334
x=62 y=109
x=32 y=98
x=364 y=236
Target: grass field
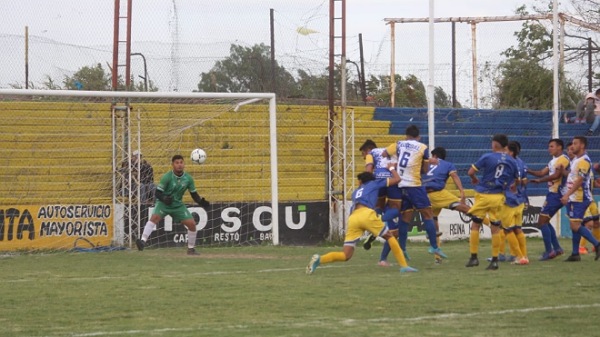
x=263 y=291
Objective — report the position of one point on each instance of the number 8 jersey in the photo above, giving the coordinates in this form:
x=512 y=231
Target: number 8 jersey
x=411 y=154
x=499 y=171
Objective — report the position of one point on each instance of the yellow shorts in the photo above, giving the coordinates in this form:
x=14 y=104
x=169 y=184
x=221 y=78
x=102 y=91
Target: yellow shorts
x=487 y=205
x=512 y=216
x=441 y=199
x=592 y=210
x=361 y=220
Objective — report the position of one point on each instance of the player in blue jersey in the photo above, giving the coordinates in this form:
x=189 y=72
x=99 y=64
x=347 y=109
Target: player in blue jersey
x=554 y=176
x=435 y=184
x=169 y=201
x=364 y=218
x=389 y=202
x=498 y=173
x=512 y=214
x=577 y=198
x=413 y=161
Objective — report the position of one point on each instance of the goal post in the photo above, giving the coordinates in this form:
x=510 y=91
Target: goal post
x=75 y=166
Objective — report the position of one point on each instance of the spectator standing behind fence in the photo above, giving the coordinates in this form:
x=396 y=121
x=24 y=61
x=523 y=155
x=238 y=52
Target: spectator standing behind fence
x=147 y=186
x=596 y=97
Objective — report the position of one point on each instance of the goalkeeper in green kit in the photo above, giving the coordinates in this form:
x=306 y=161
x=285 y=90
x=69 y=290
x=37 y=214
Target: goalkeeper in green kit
x=169 y=194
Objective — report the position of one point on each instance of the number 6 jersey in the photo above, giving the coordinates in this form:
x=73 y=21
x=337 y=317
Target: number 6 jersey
x=411 y=154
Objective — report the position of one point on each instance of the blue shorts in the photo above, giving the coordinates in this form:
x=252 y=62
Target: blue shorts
x=576 y=210
x=415 y=198
x=394 y=192
x=552 y=204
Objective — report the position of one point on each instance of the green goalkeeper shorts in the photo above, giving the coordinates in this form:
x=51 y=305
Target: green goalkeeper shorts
x=178 y=213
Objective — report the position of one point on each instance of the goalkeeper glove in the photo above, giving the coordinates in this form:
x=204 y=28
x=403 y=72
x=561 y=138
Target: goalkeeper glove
x=204 y=203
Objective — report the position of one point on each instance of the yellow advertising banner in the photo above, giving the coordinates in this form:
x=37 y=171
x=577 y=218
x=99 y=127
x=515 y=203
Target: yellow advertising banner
x=54 y=226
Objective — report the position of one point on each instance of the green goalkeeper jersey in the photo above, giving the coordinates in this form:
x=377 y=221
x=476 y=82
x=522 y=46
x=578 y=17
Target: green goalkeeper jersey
x=175 y=186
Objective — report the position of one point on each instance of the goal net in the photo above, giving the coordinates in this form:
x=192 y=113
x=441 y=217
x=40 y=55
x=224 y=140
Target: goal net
x=80 y=168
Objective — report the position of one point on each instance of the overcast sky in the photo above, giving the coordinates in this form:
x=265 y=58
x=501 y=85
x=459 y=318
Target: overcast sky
x=67 y=34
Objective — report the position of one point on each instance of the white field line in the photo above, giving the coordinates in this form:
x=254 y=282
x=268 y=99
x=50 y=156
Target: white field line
x=356 y=322
x=58 y=277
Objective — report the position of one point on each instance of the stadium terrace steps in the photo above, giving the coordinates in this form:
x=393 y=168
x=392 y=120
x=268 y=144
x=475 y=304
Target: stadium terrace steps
x=466 y=134
x=60 y=152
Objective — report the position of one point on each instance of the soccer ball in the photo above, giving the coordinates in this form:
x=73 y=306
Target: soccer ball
x=198 y=156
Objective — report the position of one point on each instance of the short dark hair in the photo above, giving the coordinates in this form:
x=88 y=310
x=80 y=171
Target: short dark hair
x=412 y=131
x=569 y=143
x=598 y=92
x=501 y=138
x=514 y=147
x=176 y=157
x=558 y=142
x=368 y=145
x=365 y=177
x=581 y=139
x=439 y=152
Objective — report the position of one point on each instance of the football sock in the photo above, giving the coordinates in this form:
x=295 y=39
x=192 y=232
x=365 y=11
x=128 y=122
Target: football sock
x=522 y=242
x=395 y=247
x=431 y=232
x=502 y=247
x=389 y=214
x=554 y=238
x=546 y=236
x=333 y=257
x=495 y=244
x=192 y=238
x=402 y=234
x=148 y=229
x=474 y=242
x=585 y=233
x=385 y=251
x=575 y=241
x=513 y=243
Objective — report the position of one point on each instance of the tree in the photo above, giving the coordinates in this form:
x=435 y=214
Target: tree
x=410 y=91
x=247 y=69
x=524 y=80
x=89 y=78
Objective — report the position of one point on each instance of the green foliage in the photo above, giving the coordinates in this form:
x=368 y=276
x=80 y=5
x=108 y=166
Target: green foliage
x=410 y=91
x=88 y=78
x=523 y=80
x=247 y=69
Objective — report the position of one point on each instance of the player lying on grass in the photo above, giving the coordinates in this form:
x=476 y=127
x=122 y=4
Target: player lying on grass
x=364 y=218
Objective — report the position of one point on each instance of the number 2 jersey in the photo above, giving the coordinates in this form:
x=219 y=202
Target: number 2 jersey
x=436 y=177
x=499 y=170
x=411 y=154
